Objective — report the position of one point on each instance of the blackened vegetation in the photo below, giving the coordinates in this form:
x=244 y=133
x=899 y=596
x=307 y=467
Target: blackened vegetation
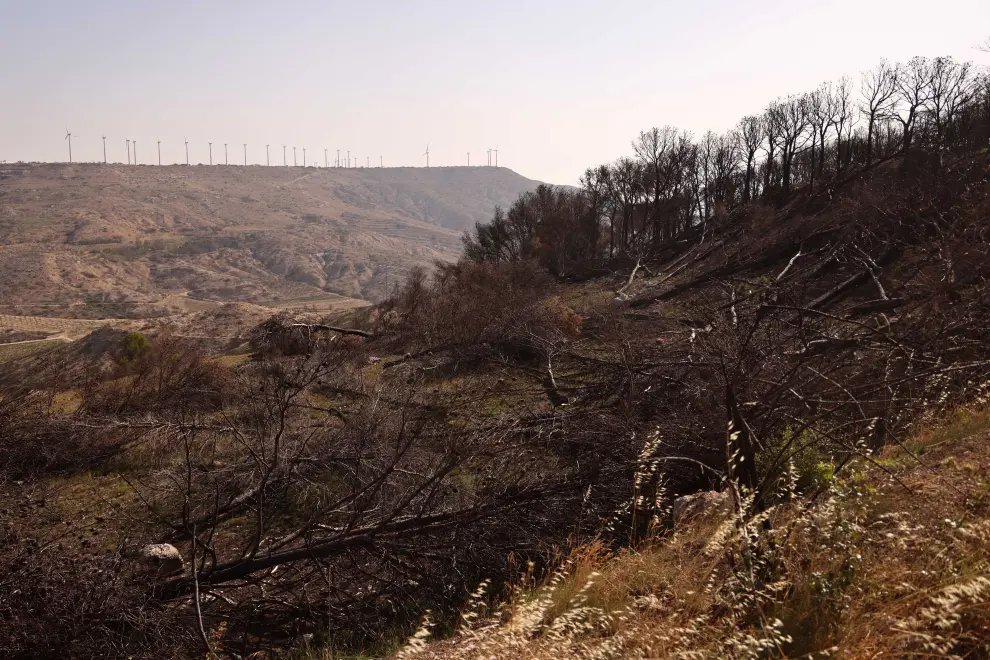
x=821 y=300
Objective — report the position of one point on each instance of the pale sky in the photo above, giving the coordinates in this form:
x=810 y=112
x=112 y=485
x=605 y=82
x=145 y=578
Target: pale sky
x=556 y=85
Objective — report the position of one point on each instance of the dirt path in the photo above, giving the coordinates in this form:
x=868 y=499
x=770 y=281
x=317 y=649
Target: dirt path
x=59 y=337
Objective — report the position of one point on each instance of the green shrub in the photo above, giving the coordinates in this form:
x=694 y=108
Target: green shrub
x=136 y=345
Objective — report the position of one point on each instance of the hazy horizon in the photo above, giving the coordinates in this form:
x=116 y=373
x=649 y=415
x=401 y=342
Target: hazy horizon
x=555 y=86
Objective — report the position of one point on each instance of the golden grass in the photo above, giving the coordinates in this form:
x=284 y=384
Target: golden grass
x=232 y=361
x=871 y=570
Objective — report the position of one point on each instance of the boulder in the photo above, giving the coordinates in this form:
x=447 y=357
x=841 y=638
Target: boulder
x=700 y=505
x=164 y=558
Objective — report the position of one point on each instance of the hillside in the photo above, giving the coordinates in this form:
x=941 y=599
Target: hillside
x=891 y=564
x=75 y=238
x=793 y=351
x=328 y=483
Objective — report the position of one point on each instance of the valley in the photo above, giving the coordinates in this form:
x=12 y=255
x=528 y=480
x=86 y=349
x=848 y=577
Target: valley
x=87 y=244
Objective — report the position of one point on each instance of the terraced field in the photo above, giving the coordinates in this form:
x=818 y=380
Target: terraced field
x=62 y=328
x=22 y=349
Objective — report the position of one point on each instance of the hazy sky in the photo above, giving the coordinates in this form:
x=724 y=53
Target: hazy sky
x=556 y=85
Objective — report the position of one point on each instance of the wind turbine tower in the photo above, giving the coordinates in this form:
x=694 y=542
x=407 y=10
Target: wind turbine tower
x=469 y=159
x=427 y=154
x=128 y=151
x=225 y=161
x=134 y=144
x=496 y=156
x=211 y=153
x=187 y=152
x=284 y=161
x=268 y=158
x=338 y=158
x=348 y=157
x=68 y=136
x=304 y=156
x=159 y=152
x=489 y=158
x=104 y=149
x=326 y=161
x=245 y=154
x=294 y=161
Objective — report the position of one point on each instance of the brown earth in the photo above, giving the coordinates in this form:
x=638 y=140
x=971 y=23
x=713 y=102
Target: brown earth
x=90 y=241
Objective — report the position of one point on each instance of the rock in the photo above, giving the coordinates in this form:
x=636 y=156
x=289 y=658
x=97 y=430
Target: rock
x=650 y=603
x=703 y=504
x=164 y=558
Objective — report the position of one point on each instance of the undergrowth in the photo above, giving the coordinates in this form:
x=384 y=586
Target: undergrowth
x=891 y=560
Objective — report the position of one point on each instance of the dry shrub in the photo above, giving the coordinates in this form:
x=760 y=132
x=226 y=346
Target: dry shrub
x=164 y=374
x=870 y=570
x=55 y=606
x=469 y=303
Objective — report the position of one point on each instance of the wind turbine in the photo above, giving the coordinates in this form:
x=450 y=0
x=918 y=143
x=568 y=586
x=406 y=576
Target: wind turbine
x=159 y=152
x=326 y=161
x=284 y=161
x=268 y=158
x=489 y=158
x=304 y=156
x=348 y=157
x=338 y=157
x=104 y=149
x=128 y=151
x=496 y=156
x=134 y=144
x=427 y=154
x=294 y=161
x=187 y=152
x=211 y=153
x=245 y=154
x=381 y=161
x=469 y=159
x=68 y=136
x=225 y=161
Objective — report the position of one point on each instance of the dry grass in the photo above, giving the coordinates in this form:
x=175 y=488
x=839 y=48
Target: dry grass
x=871 y=570
x=69 y=327
x=19 y=350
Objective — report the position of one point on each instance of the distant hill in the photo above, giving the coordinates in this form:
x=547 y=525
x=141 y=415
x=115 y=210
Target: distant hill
x=131 y=236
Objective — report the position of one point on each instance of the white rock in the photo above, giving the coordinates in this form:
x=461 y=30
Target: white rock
x=164 y=558
x=703 y=504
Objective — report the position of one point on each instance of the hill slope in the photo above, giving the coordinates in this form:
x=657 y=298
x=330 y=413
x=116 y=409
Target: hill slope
x=92 y=234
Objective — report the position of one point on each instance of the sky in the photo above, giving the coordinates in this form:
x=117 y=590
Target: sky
x=555 y=85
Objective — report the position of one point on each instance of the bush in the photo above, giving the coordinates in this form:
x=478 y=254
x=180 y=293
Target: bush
x=136 y=345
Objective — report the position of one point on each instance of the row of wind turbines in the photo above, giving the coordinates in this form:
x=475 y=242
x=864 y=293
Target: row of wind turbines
x=132 y=149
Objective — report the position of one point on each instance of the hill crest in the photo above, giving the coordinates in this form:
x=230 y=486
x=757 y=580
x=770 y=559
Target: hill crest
x=135 y=235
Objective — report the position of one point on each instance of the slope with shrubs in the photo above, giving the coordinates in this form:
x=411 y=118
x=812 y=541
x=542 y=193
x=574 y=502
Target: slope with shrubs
x=539 y=399
x=890 y=561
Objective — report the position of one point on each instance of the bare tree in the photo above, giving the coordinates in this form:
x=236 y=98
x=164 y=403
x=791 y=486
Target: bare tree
x=879 y=89
x=823 y=113
x=772 y=126
x=951 y=89
x=794 y=123
x=752 y=132
x=627 y=175
x=652 y=148
x=845 y=121
x=726 y=167
x=596 y=184
x=913 y=92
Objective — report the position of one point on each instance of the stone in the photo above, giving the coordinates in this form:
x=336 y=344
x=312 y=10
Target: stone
x=164 y=558
x=703 y=504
